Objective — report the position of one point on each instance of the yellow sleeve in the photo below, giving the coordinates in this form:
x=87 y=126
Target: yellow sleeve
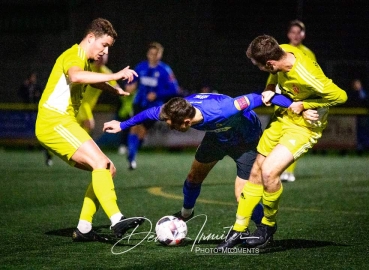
x=272 y=79
x=332 y=95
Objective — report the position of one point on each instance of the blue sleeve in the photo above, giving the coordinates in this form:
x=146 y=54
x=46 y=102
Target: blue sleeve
x=149 y=114
x=256 y=101
x=281 y=100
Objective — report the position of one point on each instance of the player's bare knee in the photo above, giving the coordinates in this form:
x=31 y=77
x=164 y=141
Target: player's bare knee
x=194 y=177
x=103 y=163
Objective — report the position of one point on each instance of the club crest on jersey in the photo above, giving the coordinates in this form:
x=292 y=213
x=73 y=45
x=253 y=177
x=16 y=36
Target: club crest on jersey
x=295 y=89
x=241 y=103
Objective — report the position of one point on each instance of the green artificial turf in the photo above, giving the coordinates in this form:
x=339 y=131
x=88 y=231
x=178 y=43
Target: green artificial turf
x=323 y=221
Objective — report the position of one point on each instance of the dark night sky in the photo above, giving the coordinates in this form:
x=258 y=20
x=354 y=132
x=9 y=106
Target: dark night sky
x=204 y=40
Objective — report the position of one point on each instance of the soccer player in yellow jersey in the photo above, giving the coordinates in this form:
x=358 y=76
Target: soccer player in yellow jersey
x=290 y=133
x=85 y=115
x=296 y=34
x=57 y=128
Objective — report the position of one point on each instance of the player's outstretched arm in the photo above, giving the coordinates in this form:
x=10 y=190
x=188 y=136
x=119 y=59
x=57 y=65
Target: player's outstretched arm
x=256 y=100
x=78 y=75
x=149 y=114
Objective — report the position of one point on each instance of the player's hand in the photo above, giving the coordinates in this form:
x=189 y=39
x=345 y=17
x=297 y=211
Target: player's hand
x=112 y=127
x=127 y=74
x=310 y=115
x=296 y=107
x=112 y=169
x=151 y=96
x=266 y=96
x=121 y=92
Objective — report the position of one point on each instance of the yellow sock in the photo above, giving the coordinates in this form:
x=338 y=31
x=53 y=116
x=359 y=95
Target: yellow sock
x=103 y=186
x=271 y=205
x=291 y=168
x=90 y=205
x=250 y=197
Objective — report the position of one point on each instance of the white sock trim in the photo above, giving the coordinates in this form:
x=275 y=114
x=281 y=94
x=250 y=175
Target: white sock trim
x=84 y=226
x=186 y=212
x=115 y=218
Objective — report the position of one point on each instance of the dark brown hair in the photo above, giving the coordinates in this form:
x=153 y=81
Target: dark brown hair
x=176 y=110
x=100 y=27
x=264 y=48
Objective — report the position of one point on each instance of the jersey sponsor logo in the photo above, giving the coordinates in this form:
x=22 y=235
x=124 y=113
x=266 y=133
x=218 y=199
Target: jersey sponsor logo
x=219 y=129
x=242 y=103
x=200 y=96
x=149 y=81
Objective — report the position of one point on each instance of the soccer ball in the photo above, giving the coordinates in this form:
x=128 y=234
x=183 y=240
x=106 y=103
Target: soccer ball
x=170 y=231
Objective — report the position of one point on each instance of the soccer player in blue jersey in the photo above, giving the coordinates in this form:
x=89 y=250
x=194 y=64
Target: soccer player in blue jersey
x=155 y=85
x=231 y=127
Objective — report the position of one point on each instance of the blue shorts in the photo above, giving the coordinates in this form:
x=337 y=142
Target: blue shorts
x=244 y=155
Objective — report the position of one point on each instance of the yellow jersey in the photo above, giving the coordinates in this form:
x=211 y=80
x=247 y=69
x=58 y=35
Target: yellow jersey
x=60 y=95
x=307 y=82
x=307 y=51
x=91 y=95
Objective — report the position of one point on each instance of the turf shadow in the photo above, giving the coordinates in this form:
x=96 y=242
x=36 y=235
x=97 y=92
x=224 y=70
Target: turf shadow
x=286 y=244
x=103 y=230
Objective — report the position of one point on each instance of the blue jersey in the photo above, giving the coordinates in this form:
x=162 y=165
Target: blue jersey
x=230 y=119
x=224 y=120
x=159 y=79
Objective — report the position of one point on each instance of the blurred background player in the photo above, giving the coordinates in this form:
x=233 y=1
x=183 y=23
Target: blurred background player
x=85 y=115
x=358 y=97
x=124 y=112
x=232 y=129
x=296 y=33
x=30 y=92
x=155 y=85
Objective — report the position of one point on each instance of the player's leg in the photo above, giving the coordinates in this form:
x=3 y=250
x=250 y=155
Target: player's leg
x=207 y=155
x=245 y=157
x=294 y=142
x=289 y=174
x=249 y=199
x=136 y=135
x=123 y=139
x=89 y=155
x=192 y=187
x=252 y=192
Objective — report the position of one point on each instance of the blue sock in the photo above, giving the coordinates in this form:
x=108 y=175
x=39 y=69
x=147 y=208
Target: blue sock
x=133 y=145
x=190 y=193
x=258 y=213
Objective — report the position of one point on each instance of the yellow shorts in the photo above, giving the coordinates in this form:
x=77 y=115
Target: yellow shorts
x=298 y=139
x=60 y=134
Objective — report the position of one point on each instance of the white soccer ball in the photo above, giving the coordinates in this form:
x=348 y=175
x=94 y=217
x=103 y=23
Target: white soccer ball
x=170 y=231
